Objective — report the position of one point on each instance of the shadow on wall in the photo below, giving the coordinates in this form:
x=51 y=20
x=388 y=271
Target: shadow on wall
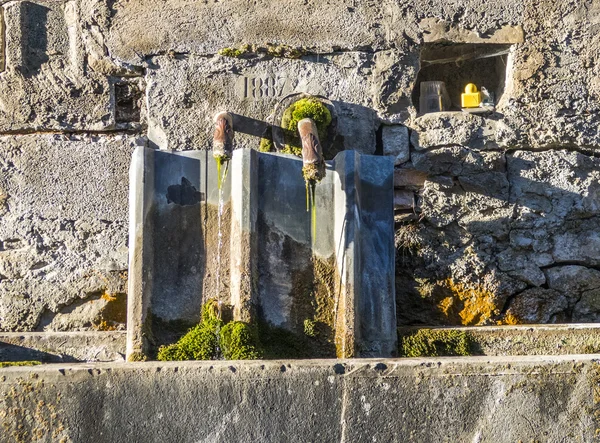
x=501 y=239
x=34 y=39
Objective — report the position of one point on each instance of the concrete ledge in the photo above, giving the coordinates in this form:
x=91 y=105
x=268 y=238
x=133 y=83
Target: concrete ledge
x=476 y=399
x=527 y=339
x=55 y=347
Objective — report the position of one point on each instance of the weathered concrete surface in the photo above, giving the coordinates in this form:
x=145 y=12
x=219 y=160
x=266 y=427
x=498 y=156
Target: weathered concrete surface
x=55 y=347
x=525 y=340
x=488 y=399
x=63 y=231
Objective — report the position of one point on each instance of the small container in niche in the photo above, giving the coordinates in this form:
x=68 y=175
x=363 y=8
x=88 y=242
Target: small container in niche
x=434 y=97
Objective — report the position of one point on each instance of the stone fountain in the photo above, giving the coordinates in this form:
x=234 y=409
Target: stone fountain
x=242 y=234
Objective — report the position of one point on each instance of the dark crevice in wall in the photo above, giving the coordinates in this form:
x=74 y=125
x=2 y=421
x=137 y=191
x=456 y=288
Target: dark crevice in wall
x=379 y=141
x=67 y=133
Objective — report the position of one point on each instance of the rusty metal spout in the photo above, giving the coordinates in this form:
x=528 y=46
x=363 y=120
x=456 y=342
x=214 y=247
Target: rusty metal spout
x=313 y=164
x=223 y=136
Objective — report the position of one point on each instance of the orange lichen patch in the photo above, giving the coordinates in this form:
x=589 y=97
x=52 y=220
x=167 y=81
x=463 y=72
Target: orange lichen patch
x=108 y=297
x=509 y=319
x=468 y=305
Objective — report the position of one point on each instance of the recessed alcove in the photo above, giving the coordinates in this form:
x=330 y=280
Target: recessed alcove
x=457 y=64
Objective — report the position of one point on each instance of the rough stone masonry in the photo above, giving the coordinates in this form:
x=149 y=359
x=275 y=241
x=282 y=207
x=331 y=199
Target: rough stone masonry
x=497 y=215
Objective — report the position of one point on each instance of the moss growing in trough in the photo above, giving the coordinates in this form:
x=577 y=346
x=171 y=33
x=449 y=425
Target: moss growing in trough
x=435 y=343
x=212 y=338
x=239 y=341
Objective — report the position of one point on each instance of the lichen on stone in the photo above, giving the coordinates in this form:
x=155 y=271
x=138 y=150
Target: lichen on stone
x=435 y=343
x=468 y=304
x=6 y=364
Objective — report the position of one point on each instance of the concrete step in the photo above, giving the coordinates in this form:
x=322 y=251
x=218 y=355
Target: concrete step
x=62 y=347
x=525 y=339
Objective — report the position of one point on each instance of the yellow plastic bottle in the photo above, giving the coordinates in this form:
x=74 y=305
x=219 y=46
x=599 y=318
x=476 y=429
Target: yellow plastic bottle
x=471 y=97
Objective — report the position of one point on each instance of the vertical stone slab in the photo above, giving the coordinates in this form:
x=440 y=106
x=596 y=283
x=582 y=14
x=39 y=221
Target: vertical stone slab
x=140 y=253
x=375 y=256
x=243 y=247
x=345 y=253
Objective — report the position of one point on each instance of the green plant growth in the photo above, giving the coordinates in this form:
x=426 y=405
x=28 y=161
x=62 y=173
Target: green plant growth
x=239 y=341
x=309 y=328
x=6 y=364
x=212 y=338
x=311 y=108
x=266 y=142
x=270 y=49
x=435 y=343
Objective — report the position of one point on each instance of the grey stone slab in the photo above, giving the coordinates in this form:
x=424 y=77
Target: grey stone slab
x=495 y=399
x=61 y=347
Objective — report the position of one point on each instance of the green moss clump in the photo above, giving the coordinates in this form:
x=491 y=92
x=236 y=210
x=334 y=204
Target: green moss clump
x=435 y=343
x=212 y=338
x=200 y=343
x=309 y=328
x=236 y=52
x=311 y=108
x=6 y=364
x=266 y=142
x=239 y=341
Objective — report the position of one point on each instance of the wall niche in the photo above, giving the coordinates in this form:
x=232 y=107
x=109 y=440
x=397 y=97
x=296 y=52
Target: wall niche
x=457 y=64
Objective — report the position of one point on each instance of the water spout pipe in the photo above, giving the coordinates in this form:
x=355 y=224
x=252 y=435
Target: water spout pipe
x=223 y=136
x=313 y=164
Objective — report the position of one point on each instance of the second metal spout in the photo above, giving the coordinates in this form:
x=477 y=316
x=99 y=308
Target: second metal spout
x=313 y=164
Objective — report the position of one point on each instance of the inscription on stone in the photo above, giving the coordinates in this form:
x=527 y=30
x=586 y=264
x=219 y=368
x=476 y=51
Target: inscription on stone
x=257 y=87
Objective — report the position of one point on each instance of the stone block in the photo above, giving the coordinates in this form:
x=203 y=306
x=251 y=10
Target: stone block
x=404 y=199
x=396 y=143
x=409 y=178
x=47 y=83
x=185 y=94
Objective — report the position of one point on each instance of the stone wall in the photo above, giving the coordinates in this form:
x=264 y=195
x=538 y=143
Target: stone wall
x=496 y=215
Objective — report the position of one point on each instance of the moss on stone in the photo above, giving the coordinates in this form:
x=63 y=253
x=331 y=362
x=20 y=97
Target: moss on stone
x=239 y=341
x=212 y=338
x=236 y=52
x=435 y=343
x=311 y=108
x=266 y=142
x=279 y=343
x=270 y=49
x=6 y=364
x=137 y=356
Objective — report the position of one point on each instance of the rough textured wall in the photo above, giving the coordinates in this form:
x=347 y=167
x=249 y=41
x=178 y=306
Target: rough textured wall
x=497 y=215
